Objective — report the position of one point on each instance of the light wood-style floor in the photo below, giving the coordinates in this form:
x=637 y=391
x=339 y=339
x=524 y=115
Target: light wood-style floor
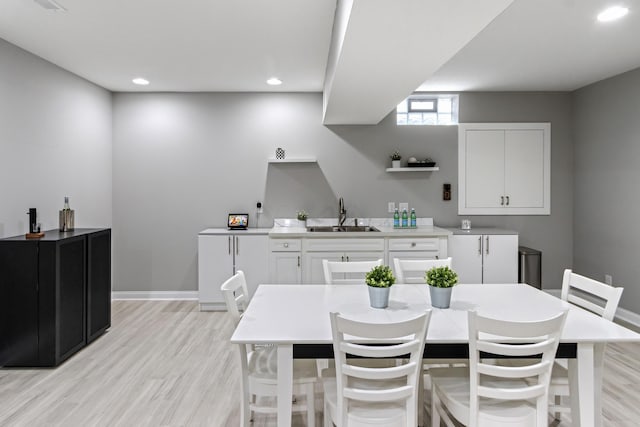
x=164 y=363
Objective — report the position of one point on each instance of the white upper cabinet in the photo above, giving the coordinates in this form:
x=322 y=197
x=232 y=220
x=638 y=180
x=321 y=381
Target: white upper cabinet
x=504 y=168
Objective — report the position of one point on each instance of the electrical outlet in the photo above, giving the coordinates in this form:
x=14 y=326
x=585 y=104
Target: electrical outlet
x=608 y=279
x=391 y=208
x=259 y=208
x=404 y=206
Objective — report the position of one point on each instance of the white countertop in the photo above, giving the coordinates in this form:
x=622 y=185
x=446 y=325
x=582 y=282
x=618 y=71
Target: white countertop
x=287 y=228
x=219 y=231
x=425 y=231
x=476 y=231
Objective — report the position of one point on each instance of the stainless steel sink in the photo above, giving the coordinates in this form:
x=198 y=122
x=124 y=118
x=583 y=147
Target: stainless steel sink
x=342 y=228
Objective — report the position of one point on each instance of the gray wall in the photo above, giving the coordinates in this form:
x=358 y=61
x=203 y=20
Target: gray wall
x=55 y=141
x=183 y=161
x=607 y=174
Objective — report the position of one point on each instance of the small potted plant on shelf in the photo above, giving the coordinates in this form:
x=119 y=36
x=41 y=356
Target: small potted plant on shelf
x=395 y=159
x=379 y=281
x=441 y=281
x=302 y=216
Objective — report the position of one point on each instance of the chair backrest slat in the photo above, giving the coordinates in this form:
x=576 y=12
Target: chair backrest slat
x=410 y=271
x=349 y=272
x=589 y=294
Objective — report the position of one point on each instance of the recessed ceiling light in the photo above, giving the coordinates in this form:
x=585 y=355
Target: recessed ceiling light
x=274 y=81
x=612 y=13
x=140 y=81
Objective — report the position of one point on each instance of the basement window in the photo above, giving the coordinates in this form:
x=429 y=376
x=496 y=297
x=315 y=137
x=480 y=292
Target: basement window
x=428 y=109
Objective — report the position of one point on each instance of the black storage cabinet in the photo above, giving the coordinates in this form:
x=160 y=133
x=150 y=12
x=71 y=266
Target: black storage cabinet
x=55 y=295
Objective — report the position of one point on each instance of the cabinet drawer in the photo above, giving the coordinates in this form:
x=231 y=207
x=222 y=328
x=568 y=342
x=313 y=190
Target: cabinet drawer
x=418 y=244
x=338 y=245
x=285 y=245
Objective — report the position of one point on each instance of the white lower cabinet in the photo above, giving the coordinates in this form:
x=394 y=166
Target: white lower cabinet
x=485 y=258
x=221 y=256
x=343 y=250
x=285 y=261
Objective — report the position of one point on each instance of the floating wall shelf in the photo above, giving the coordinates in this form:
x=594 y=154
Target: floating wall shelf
x=294 y=160
x=435 y=168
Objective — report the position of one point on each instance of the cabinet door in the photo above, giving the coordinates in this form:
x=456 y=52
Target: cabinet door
x=19 y=303
x=466 y=257
x=215 y=265
x=71 y=297
x=484 y=169
x=313 y=272
x=362 y=256
x=285 y=268
x=500 y=264
x=98 y=283
x=504 y=168
x=252 y=257
x=524 y=168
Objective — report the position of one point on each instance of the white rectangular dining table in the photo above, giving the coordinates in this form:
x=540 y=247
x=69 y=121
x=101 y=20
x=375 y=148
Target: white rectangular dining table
x=295 y=318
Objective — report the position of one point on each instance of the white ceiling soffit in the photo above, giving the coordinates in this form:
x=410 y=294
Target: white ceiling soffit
x=383 y=50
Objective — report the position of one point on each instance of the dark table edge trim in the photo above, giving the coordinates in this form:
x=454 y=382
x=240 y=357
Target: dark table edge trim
x=431 y=351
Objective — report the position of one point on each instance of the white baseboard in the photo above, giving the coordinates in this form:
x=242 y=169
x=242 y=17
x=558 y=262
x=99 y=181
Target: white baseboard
x=622 y=314
x=154 y=295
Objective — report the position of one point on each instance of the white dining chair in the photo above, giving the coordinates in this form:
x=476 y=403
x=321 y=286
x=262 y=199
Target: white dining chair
x=259 y=366
x=412 y=271
x=367 y=395
x=485 y=394
x=599 y=298
x=349 y=272
x=409 y=271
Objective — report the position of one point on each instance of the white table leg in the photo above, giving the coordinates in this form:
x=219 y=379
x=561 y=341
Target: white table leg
x=599 y=368
x=586 y=384
x=285 y=384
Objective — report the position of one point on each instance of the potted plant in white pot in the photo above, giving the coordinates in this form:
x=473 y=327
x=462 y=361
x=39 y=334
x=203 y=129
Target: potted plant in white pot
x=441 y=281
x=395 y=159
x=379 y=281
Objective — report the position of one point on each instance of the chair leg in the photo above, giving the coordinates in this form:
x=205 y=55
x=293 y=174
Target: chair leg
x=421 y=397
x=435 y=414
x=326 y=416
x=311 y=404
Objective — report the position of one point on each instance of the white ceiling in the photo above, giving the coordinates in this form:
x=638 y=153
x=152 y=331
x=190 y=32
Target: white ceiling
x=216 y=45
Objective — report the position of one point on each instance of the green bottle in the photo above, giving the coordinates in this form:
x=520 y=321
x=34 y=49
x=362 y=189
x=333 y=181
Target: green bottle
x=396 y=219
x=405 y=218
x=413 y=218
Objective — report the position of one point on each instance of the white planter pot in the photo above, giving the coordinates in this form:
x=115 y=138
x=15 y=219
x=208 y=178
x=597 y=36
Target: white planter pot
x=395 y=163
x=378 y=297
x=440 y=297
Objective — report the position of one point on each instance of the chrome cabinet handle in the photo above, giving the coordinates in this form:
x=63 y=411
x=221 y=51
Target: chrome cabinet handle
x=501 y=200
x=286 y=245
x=298 y=260
x=347 y=258
x=487 y=245
x=480 y=245
x=229 y=245
x=237 y=245
x=342 y=258
x=507 y=200
x=413 y=244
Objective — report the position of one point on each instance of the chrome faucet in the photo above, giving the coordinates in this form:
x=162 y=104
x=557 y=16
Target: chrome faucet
x=342 y=212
